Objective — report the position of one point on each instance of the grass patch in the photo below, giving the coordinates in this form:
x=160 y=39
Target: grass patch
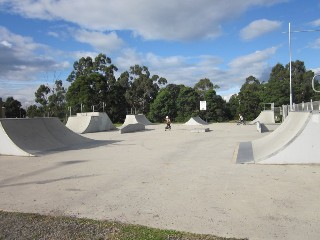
x=35 y=226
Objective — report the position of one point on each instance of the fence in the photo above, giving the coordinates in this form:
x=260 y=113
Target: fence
x=301 y=107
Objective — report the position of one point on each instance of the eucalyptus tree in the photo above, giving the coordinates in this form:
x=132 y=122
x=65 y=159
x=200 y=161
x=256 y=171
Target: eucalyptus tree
x=142 y=88
x=203 y=86
x=51 y=101
x=91 y=82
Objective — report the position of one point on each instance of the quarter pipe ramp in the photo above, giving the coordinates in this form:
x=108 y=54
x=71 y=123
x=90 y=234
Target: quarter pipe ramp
x=266 y=116
x=90 y=122
x=295 y=141
x=37 y=136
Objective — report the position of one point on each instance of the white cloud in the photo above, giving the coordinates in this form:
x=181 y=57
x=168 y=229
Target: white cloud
x=255 y=64
x=100 y=41
x=316 y=43
x=6 y=44
x=189 y=70
x=315 y=23
x=157 y=19
x=258 y=28
x=22 y=61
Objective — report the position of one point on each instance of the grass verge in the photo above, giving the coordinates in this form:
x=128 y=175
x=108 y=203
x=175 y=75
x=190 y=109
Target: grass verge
x=34 y=226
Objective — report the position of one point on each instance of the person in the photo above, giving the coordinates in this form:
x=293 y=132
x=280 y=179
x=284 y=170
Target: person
x=241 y=120
x=168 y=122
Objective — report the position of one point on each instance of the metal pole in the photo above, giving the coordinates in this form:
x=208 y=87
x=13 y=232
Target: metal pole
x=290 y=68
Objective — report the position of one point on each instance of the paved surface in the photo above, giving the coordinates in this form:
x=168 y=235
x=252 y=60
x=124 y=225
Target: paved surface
x=169 y=179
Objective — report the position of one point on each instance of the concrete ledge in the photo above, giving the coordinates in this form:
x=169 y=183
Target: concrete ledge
x=135 y=127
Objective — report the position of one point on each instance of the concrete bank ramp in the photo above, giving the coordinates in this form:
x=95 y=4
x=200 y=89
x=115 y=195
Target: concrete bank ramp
x=38 y=136
x=266 y=117
x=90 y=122
x=139 y=118
x=295 y=141
x=196 y=121
x=134 y=127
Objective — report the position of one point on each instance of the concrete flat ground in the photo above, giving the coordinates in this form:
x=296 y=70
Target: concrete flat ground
x=174 y=179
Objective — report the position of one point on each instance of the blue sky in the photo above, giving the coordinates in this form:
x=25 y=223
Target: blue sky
x=181 y=40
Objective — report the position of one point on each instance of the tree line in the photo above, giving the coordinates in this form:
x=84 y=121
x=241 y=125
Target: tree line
x=94 y=87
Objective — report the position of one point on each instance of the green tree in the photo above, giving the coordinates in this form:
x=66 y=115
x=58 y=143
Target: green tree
x=35 y=111
x=203 y=86
x=42 y=95
x=13 y=108
x=51 y=100
x=301 y=82
x=277 y=89
x=165 y=103
x=233 y=106
x=91 y=84
x=143 y=88
x=250 y=98
x=57 y=103
x=187 y=104
x=216 y=108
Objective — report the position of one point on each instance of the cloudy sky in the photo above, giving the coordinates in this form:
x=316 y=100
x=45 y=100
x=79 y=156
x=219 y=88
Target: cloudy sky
x=181 y=40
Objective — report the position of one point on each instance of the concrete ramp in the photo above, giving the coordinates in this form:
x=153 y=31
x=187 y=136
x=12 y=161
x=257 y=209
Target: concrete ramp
x=139 y=118
x=295 y=141
x=196 y=121
x=90 y=122
x=135 y=127
x=266 y=117
x=37 y=136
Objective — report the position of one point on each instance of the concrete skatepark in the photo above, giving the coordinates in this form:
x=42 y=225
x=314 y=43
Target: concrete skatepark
x=176 y=180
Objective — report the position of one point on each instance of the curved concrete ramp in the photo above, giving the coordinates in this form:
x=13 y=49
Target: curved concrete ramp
x=139 y=118
x=90 y=122
x=196 y=121
x=30 y=137
x=266 y=116
x=295 y=141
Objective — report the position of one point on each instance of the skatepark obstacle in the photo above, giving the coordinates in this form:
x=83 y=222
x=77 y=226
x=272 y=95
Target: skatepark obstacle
x=139 y=118
x=266 y=117
x=134 y=127
x=89 y=122
x=196 y=121
x=295 y=141
x=37 y=136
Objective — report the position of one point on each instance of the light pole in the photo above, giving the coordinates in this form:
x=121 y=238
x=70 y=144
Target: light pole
x=290 y=68
x=290 y=57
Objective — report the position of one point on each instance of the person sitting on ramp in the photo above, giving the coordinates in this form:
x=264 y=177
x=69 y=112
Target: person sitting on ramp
x=168 y=122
